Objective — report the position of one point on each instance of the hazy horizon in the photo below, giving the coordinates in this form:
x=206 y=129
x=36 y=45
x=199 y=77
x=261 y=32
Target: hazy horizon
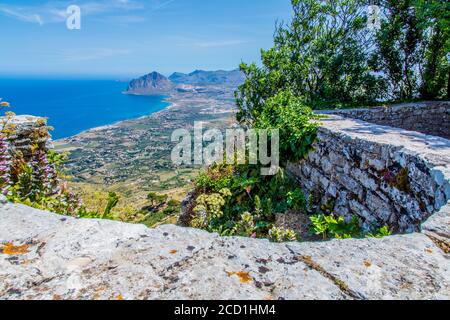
x=118 y=77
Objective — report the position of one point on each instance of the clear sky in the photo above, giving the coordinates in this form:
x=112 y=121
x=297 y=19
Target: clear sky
x=127 y=38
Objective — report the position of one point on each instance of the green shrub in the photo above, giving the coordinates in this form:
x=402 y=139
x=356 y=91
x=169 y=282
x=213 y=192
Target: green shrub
x=380 y=233
x=248 y=206
x=113 y=200
x=217 y=177
x=296 y=122
x=157 y=200
x=335 y=227
x=296 y=199
x=209 y=208
x=330 y=226
x=328 y=66
x=245 y=226
x=282 y=235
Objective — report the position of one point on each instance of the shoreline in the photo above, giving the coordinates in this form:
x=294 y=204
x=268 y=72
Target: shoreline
x=133 y=156
x=188 y=102
x=118 y=123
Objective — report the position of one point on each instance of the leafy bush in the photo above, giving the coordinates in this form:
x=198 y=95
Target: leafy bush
x=411 y=47
x=251 y=194
x=321 y=55
x=282 y=235
x=296 y=122
x=35 y=180
x=296 y=199
x=327 y=55
x=56 y=159
x=380 y=233
x=336 y=227
x=330 y=226
x=113 y=199
x=217 y=177
x=209 y=208
x=247 y=205
x=245 y=226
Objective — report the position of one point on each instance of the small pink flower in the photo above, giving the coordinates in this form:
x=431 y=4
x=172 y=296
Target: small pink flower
x=254 y=235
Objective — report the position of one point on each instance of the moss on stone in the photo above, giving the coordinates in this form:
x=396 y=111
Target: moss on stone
x=402 y=180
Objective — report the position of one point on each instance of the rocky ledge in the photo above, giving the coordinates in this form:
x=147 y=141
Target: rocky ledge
x=47 y=256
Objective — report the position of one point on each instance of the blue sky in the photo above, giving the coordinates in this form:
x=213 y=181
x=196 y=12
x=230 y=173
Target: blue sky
x=126 y=38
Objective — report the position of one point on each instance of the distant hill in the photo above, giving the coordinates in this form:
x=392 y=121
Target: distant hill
x=155 y=83
x=199 y=77
x=150 y=84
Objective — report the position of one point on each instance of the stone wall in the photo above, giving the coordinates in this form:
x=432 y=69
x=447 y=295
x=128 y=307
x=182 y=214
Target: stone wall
x=431 y=118
x=384 y=175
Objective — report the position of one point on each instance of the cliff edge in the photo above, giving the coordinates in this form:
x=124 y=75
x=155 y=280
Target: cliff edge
x=48 y=256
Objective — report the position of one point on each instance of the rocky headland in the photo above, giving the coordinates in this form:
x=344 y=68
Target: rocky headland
x=151 y=84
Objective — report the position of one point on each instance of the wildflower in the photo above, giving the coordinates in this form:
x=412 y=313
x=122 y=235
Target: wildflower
x=67 y=203
x=5 y=165
x=43 y=177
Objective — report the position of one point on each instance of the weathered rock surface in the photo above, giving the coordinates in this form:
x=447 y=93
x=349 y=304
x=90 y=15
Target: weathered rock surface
x=67 y=258
x=26 y=132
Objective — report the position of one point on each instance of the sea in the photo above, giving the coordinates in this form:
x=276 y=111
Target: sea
x=73 y=106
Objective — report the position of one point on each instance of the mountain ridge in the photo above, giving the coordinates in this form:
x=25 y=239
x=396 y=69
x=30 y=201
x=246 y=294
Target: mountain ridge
x=155 y=83
x=199 y=77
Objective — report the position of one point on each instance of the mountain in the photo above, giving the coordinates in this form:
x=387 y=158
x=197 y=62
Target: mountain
x=199 y=77
x=155 y=83
x=150 y=84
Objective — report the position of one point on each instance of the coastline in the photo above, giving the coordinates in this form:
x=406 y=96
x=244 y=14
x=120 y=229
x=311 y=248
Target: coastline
x=75 y=106
x=176 y=102
x=120 y=122
x=132 y=157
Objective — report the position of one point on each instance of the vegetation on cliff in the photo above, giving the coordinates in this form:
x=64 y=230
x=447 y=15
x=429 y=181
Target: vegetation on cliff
x=32 y=175
x=325 y=57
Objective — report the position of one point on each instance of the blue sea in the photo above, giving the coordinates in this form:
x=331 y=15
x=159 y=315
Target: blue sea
x=72 y=106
